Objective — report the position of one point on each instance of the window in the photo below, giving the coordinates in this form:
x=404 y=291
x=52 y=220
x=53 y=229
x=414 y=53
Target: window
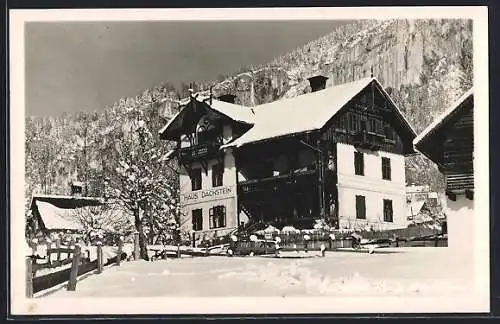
x=197 y=218
x=373 y=125
x=386 y=168
x=388 y=132
x=360 y=207
x=388 y=210
x=217 y=217
x=196 y=179
x=363 y=125
x=341 y=123
x=353 y=122
x=359 y=163
x=217 y=175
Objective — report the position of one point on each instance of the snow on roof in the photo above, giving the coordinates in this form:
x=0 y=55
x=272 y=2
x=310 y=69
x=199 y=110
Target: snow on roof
x=414 y=208
x=48 y=196
x=68 y=201
x=57 y=218
x=235 y=112
x=443 y=117
x=307 y=112
x=433 y=195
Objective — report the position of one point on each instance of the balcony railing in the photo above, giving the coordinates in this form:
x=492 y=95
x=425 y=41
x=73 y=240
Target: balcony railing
x=302 y=179
x=199 y=152
x=368 y=140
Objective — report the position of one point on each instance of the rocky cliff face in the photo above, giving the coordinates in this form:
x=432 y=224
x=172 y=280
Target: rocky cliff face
x=398 y=52
x=420 y=62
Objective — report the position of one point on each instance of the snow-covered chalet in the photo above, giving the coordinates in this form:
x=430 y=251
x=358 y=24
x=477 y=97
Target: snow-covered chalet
x=336 y=153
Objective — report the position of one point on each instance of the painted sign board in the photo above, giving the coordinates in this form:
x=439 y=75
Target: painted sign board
x=207 y=195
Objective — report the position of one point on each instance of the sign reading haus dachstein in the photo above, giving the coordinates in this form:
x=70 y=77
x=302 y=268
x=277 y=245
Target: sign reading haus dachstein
x=207 y=195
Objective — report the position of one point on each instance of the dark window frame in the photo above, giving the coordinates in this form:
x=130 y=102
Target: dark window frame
x=197 y=223
x=196 y=174
x=373 y=125
x=388 y=132
x=386 y=168
x=342 y=122
x=353 y=121
x=217 y=213
x=217 y=175
x=359 y=163
x=388 y=211
x=360 y=207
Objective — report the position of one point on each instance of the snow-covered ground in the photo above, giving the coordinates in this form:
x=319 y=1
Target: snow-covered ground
x=411 y=272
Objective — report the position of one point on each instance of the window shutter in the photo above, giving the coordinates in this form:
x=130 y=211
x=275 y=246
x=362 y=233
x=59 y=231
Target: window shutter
x=223 y=216
x=211 y=217
x=362 y=163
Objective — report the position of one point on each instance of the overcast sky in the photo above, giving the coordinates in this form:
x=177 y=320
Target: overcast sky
x=85 y=66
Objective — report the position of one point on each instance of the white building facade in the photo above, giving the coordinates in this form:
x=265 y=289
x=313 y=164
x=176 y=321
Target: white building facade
x=335 y=154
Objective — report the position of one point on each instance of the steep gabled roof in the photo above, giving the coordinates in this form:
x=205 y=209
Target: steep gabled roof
x=62 y=201
x=306 y=112
x=455 y=108
x=55 y=218
x=299 y=114
x=235 y=112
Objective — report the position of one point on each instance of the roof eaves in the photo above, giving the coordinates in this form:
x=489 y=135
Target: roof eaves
x=164 y=128
x=400 y=113
x=442 y=118
x=238 y=145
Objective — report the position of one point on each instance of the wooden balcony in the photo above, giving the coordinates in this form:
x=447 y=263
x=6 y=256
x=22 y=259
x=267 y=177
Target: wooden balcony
x=368 y=140
x=280 y=182
x=199 y=152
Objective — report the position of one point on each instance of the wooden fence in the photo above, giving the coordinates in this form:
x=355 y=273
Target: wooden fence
x=80 y=265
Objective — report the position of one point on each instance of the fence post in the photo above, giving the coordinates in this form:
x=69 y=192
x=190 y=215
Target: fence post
x=178 y=250
x=49 y=245
x=136 y=246
x=34 y=247
x=71 y=243
x=99 y=257
x=29 y=277
x=119 y=253
x=194 y=239
x=73 y=275
x=58 y=246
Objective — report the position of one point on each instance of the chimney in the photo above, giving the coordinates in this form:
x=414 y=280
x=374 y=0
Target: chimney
x=227 y=98
x=76 y=189
x=317 y=82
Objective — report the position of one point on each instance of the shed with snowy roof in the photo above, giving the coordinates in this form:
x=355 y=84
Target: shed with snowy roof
x=54 y=213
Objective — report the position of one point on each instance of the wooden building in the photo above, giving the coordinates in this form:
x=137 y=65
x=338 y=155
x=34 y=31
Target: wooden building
x=58 y=214
x=335 y=154
x=449 y=142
